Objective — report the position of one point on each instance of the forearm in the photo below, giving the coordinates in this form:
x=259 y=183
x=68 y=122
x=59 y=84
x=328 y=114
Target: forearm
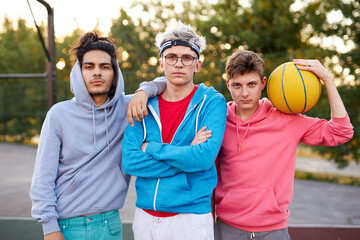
x=153 y=88
x=42 y=191
x=199 y=157
x=336 y=104
x=193 y=158
x=140 y=164
x=43 y=197
x=137 y=163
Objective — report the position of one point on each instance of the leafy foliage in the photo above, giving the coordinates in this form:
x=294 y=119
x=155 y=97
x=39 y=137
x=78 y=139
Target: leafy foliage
x=276 y=30
x=20 y=108
x=348 y=65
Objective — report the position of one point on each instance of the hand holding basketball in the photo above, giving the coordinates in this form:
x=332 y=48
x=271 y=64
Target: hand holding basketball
x=314 y=66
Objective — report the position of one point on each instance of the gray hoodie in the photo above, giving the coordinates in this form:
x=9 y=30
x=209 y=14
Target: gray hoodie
x=78 y=163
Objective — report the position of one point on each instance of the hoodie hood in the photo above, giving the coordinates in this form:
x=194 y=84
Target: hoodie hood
x=83 y=97
x=202 y=94
x=265 y=108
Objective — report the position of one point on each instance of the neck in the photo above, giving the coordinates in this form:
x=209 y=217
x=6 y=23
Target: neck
x=175 y=93
x=99 y=99
x=244 y=114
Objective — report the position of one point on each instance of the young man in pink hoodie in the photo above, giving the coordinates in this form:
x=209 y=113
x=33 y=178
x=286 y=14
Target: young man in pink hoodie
x=256 y=162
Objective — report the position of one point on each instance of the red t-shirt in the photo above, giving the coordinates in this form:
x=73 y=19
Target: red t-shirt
x=171 y=115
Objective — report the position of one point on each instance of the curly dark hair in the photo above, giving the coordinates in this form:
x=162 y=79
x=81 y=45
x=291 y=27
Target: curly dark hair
x=91 y=41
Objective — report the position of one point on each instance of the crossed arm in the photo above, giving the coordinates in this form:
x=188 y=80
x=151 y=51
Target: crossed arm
x=167 y=159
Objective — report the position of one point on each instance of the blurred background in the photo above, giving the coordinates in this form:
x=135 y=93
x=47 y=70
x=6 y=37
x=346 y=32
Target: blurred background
x=278 y=31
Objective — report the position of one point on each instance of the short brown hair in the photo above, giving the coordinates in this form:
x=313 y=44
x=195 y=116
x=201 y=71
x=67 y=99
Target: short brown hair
x=242 y=62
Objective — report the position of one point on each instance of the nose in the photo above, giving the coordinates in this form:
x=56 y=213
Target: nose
x=244 y=92
x=179 y=62
x=97 y=71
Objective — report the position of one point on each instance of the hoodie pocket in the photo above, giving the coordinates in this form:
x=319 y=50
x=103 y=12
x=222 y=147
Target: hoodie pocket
x=173 y=192
x=68 y=189
x=252 y=207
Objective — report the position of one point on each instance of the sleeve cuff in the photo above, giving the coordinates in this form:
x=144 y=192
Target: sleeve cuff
x=151 y=148
x=154 y=87
x=50 y=226
x=343 y=121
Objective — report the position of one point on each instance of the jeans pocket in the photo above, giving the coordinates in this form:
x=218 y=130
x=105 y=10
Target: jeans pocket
x=114 y=226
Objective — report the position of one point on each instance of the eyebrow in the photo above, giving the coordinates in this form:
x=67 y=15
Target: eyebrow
x=254 y=81
x=102 y=64
x=186 y=54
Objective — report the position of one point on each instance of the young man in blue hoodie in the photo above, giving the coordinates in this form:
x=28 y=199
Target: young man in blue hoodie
x=174 y=166
x=78 y=183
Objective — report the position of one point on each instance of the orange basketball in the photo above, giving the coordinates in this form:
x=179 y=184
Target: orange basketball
x=292 y=90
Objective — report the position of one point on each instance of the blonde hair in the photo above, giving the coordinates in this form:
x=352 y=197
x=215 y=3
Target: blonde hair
x=182 y=32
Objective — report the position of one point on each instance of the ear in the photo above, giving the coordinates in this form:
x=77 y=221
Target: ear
x=228 y=84
x=161 y=64
x=198 y=66
x=263 y=83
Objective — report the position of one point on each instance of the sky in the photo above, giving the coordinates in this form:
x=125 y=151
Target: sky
x=87 y=14
x=68 y=14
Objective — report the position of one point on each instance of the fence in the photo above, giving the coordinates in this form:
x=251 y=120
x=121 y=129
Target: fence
x=23 y=107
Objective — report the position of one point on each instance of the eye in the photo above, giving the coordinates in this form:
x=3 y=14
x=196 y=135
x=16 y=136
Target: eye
x=187 y=57
x=170 y=57
x=88 y=66
x=106 y=67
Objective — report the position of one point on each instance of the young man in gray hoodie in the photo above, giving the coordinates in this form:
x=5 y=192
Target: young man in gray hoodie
x=78 y=183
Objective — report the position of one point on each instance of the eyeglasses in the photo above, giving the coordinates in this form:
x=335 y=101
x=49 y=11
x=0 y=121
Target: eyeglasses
x=186 y=60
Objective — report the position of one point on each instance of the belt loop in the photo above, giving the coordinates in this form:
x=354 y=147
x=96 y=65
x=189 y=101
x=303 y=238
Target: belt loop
x=66 y=223
x=103 y=218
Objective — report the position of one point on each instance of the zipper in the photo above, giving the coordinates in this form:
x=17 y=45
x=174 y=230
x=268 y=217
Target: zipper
x=155 y=195
x=196 y=119
x=183 y=121
x=158 y=121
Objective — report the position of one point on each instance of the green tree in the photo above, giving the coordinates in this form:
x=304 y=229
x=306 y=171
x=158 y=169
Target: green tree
x=21 y=108
x=271 y=28
x=136 y=41
x=63 y=54
x=316 y=15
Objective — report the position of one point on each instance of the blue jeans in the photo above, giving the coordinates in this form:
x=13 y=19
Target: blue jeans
x=103 y=226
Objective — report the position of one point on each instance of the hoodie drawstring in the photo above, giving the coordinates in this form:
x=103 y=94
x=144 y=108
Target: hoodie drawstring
x=107 y=131
x=106 y=128
x=238 y=137
x=94 y=129
x=252 y=235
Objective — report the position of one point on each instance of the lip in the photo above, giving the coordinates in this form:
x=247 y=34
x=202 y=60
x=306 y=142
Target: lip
x=97 y=82
x=178 y=73
x=245 y=101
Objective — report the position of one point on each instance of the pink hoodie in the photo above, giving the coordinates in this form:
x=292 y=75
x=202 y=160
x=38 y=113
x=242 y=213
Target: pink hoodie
x=257 y=164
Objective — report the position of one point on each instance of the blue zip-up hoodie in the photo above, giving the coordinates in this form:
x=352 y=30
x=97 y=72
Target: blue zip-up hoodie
x=78 y=164
x=177 y=177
